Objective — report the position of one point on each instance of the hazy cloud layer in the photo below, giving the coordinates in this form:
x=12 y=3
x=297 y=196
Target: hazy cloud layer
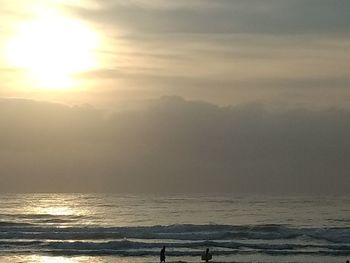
x=294 y=52
x=292 y=55
x=230 y=51
x=172 y=146
x=226 y=16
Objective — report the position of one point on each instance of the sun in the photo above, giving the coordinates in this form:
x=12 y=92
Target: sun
x=51 y=49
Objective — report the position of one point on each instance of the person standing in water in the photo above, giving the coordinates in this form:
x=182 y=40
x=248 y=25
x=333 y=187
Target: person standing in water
x=207 y=256
x=162 y=254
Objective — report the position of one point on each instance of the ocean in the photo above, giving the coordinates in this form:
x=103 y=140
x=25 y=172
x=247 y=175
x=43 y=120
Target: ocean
x=80 y=228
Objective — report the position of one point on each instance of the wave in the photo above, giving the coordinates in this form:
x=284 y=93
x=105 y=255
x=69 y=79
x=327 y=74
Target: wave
x=135 y=248
x=139 y=253
x=13 y=230
x=29 y=219
x=13 y=224
x=183 y=239
x=126 y=244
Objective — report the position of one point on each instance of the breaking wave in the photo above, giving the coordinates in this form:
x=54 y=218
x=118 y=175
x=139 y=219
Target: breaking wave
x=183 y=239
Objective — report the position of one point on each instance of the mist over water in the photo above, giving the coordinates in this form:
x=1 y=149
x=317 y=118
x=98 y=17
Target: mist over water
x=133 y=228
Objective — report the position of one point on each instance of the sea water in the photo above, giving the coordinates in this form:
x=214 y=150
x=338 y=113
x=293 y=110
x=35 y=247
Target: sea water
x=79 y=228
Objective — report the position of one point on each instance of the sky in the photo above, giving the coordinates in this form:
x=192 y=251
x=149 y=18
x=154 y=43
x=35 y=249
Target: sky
x=174 y=96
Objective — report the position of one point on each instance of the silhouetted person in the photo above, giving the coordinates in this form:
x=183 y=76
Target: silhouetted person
x=347 y=261
x=162 y=254
x=207 y=256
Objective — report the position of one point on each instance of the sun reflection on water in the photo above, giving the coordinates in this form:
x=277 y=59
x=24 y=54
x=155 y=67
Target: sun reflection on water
x=47 y=259
x=57 y=210
x=58 y=259
x=57 y=207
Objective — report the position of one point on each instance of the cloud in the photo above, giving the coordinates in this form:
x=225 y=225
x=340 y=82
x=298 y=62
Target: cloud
x=226 y=16
x=174 y=145
x=247 y=50
x=225 y=52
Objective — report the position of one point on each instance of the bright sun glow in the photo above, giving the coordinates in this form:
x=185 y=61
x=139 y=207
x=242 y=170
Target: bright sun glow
x=51 y=49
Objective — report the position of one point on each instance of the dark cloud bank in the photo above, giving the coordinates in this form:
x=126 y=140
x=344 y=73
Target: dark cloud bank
x=173 y=146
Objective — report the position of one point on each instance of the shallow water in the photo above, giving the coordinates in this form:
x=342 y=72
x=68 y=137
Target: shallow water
x=132 y=228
